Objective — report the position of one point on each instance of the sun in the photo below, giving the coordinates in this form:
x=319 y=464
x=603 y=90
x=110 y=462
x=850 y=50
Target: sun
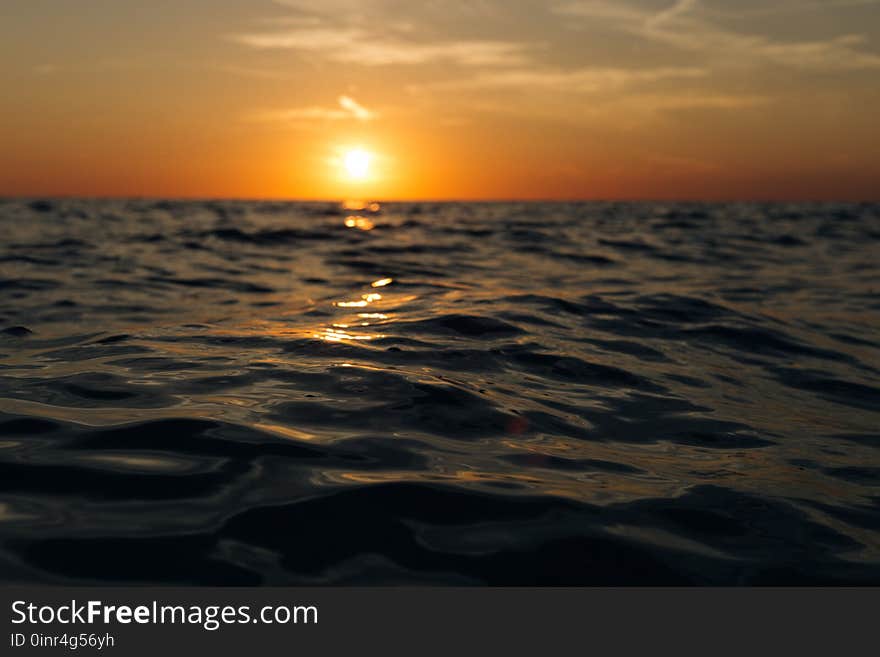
x=357 y=163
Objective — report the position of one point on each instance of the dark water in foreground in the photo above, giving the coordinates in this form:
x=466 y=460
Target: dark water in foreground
x=242 y=393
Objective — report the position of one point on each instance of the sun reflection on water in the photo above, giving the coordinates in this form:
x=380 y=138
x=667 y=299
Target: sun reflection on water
x=359 y=210
x=333 y=334
x=365 y=300
x=345 y=328
x=359 y=222
x=360 y=206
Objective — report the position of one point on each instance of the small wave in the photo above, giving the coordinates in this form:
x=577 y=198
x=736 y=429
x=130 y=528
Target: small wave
x=443 y=393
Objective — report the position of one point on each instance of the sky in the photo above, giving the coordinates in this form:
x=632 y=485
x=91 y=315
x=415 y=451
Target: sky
x=445 y=99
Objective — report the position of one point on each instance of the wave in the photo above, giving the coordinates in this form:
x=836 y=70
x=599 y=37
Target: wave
x=229 y=393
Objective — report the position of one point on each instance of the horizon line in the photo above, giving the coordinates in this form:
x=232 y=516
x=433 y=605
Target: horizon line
x=364 y=199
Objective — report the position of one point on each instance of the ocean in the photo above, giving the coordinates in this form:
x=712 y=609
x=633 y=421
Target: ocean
x=272 y=393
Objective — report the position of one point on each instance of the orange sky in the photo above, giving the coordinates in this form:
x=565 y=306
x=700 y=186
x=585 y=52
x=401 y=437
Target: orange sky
x=483 y=99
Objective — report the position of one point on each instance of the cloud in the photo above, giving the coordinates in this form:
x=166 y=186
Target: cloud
x=582 y=80
x=349 y=109
x=832 y=55
x=356 y=109
x=318 y=38
x=796 y=7
x=358 y=10
x=625 y=95
x=603 y=10
x=687 y=101
x=357 y=45
x=686 y=26
x=385 y=32
x=680 y=8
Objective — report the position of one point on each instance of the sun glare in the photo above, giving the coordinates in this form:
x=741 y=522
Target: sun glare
x=357 y=163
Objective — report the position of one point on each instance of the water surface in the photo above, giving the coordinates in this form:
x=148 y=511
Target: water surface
x=291 y=393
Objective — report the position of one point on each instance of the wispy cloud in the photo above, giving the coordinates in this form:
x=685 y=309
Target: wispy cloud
x=357 y=110
x=696 y=100
x=581 y=80
x=832 y=55
x=631 y=97
x=791 y=7
x=357 y=45
x=679 y=8
x=686 y=26
x=357 y=10
x=348 y=109
x=383 y=32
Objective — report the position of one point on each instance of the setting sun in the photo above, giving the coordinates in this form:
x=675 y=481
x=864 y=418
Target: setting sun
x=357 y=163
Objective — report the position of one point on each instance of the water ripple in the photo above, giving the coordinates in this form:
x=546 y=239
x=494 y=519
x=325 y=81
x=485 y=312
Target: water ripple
x=546 y=393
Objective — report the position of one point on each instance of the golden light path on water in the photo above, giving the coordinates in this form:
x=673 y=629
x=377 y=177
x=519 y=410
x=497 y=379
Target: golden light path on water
x=341 y=331
x=357 y=163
